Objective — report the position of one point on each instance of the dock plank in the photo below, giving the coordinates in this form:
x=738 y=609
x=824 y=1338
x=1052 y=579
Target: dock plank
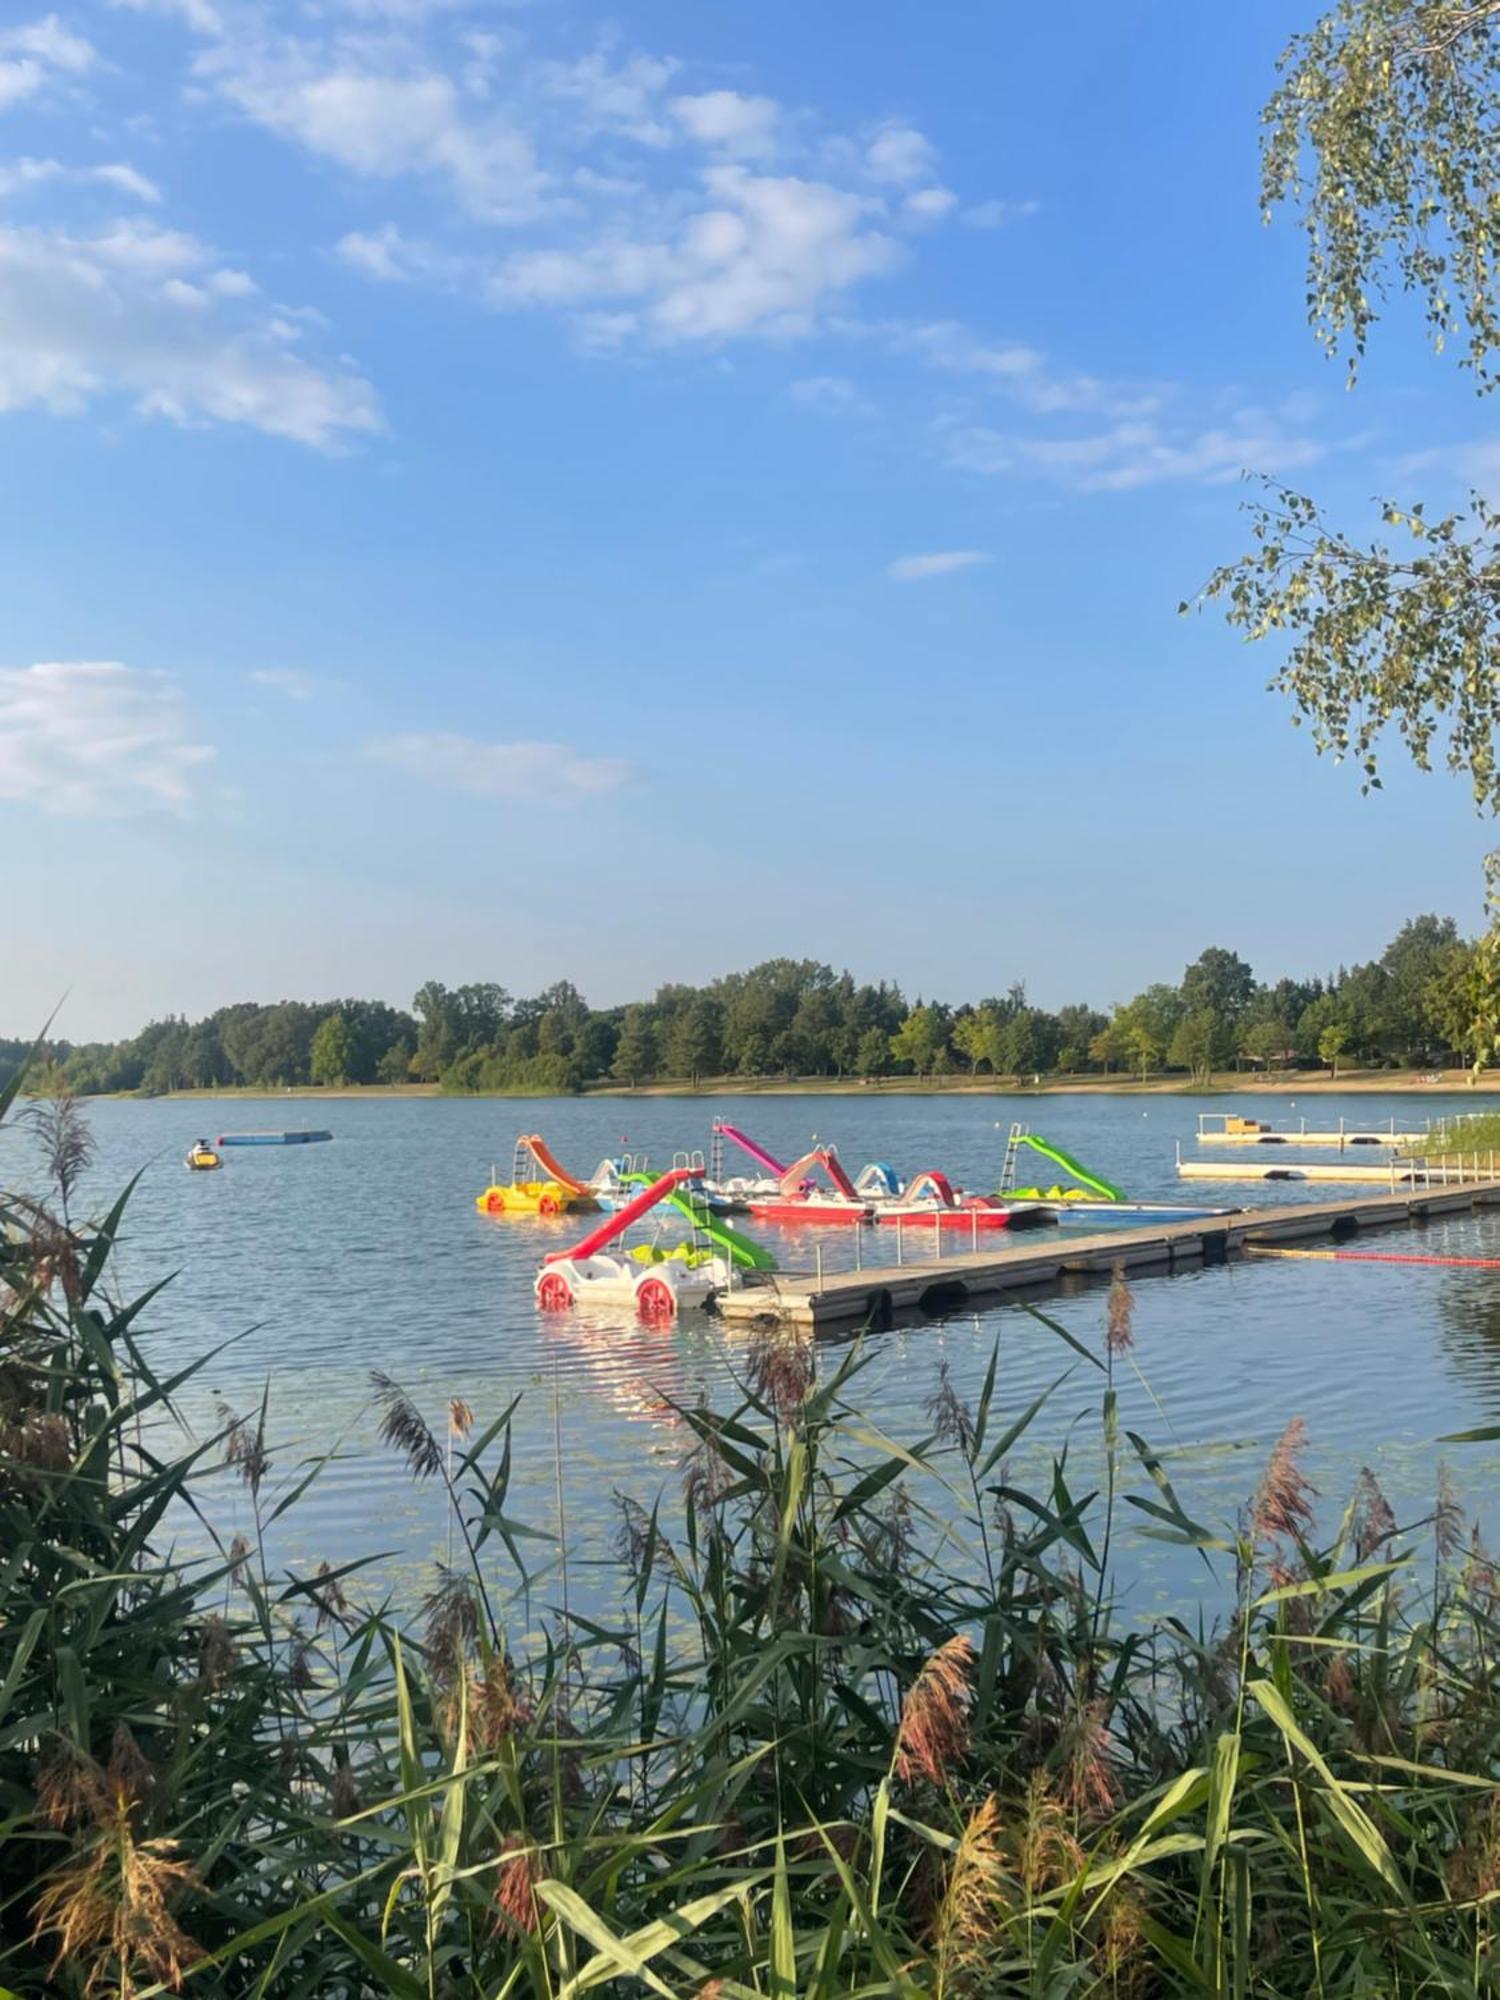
x=880 y=1292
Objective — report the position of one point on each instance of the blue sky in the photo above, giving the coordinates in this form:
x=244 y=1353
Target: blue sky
x=506 y=491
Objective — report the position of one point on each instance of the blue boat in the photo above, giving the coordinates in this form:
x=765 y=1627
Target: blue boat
x=271 y=1138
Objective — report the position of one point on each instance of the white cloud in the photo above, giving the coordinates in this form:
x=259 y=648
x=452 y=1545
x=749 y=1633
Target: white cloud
x=26 y=175
x=288 y=681
x=995 y=214
x=35 y=53
x=945 y=562
x=95 y=738
x=765 y=256
x=929 y=204
x=832 y=395
x=603 y=96
x=1128 y=455
x=139 y=311
x=901 y=155
x=502 y=770
x=743 y=127
x=383 y=125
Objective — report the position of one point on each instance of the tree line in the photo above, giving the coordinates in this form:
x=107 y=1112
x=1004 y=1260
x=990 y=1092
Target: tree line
x=1419 y=1002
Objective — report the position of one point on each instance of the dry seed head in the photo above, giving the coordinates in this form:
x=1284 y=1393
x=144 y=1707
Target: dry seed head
x=216 y=1652
x=344 y=1792
x=1447 y=1518
x=515 y=1899
x=403 y=1426
x=951 y=1417
x=934 y=1731
x=972 y=1909
x=1087 y=1782
x=244 y=1447
x=1372 y=1523
x=460 y=1417
x=780 y=1366
x=1338 y=1684
x=1046 y=1853
x=452 y=1622
x=1119 y=1326
x=107 y=1906
x=327 y=1594
x=706 y=1478
x=1283 y=1500
x=66 y=1141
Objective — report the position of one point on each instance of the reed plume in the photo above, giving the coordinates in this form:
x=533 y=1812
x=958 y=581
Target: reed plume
x=403 y=1426
x=780 y=1367
x=1371 y=1522
x=1086 y=1782
x=971 y=1912
x=66 y=1142
x=245 y=1447
x=1283 y=1500
x=933 y=1736
x=107 y=1903
x=515 y=1886
x=951 y=1418
x=1447 y=1518
x=1119 y=1326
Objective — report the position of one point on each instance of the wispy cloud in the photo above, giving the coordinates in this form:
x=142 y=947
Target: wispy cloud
x=1124 y=456
x=95 y=738
x=943 y=562
x=502 y=770
x=28 y=176
x=150 y=314
x=832 y=395
x=34 y=54
x=996 y=214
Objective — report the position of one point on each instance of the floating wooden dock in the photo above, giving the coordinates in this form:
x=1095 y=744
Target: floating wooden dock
x=1395 y=1174
x=878 y=1295
x=1217 y=1128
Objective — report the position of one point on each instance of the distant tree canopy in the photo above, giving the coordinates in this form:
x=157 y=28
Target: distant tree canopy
x=1423 y=1000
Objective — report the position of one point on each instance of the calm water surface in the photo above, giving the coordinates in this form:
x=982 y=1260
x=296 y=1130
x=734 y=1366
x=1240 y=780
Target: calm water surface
x=318 y=1264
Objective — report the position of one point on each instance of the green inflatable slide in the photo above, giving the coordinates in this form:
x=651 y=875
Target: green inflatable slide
x=741 y=1250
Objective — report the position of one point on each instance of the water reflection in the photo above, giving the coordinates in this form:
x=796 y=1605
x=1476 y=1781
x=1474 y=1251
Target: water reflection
x=369 y=1253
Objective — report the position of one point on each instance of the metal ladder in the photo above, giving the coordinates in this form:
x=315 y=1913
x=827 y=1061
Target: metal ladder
x=1012 y=1154
x=523 y=1166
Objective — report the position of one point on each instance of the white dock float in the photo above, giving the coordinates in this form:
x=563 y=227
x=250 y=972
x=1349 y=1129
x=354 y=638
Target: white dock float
x=1227 y=1128
x=878 y=1295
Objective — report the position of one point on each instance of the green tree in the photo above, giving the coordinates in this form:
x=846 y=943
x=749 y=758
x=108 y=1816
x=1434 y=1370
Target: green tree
x=1385 y=133
x=921 y=1042
x=694 y=1045
x=332 y=1051
x=1331 y=1045
x=978 y=1036
x=635 y=1054
x=395 y=1065
x=1267 y=1041
x=1195 y=1043
x=872 y=1057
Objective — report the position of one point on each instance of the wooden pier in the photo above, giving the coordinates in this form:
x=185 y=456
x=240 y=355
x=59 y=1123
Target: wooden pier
x=1456 y=1170
x=878 y=1295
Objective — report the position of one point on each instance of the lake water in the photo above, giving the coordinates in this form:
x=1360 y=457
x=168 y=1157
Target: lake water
x=319 y=1263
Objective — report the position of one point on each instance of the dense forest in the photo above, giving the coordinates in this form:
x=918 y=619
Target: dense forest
x=1416 y=1003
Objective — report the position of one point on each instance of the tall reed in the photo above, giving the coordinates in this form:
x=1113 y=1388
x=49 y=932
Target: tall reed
x=865 y=1721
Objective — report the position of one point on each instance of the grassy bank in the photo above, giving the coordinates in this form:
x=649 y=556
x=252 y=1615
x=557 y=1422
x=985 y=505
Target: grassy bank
x=1225 y=1083
x=860 y=1720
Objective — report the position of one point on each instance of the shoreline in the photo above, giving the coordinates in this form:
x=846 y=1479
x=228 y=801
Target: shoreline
x=1392 y=1083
